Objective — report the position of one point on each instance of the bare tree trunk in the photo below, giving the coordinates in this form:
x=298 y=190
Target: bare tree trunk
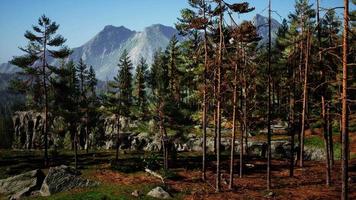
x=292 y=120
x=305 y=101
x=46 y=100
x=323 y=103
x=326 y=141
x=205 y=100
x=233 y=132
x=241 y=138
x=163 y=133
x=344 y=127
x=86 y=131
x=117 y=139
x=215 y=113
x=269 y=101
x=75 y=147
x=218 y=107
x=330 y=134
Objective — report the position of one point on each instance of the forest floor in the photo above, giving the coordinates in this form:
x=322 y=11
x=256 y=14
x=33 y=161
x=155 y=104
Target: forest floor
x=307 y=183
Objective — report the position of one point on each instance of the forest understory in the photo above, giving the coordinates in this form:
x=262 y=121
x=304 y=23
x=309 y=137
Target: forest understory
x=184 y=179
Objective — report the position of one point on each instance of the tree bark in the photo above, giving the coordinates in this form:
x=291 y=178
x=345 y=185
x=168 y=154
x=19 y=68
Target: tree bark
x=46 y=99
x=117 y=139
x=292 y=120
x=269 y=100
x=218 y=107
x=305 y=101
x=323 y=102
x=205 y=99
x=344 y=116
x=233 y=132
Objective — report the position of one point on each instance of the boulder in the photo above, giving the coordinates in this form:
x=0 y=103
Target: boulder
x=135 y=193
x=22 y=185
x=159 y=193
x=314 y=153
x=63 y=178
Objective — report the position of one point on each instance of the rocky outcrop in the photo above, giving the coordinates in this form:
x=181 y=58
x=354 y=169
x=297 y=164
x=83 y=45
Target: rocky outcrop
x=63 y=178
x=22 y=185
x=28 y=127
x=159 y=193
x=313 y=153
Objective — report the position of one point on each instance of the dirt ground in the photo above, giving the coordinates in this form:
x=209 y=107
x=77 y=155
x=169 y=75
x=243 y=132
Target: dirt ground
x=308 y=183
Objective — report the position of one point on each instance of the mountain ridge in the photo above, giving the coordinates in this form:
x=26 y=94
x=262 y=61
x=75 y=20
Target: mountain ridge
x=103 y=50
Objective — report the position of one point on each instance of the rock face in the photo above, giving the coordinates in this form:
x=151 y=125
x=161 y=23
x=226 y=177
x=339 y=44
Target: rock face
x=28 y=129
x=159 y=193
x=22 y=185
x=63 y=178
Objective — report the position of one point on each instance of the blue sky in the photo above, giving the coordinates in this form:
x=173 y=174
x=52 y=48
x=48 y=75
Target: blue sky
x=80 y=20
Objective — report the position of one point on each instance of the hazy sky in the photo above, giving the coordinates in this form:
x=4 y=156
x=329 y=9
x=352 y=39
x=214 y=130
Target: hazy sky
x=80 y=20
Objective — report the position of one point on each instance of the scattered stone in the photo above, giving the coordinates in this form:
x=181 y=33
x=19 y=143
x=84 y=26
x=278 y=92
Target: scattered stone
x=63 y=178
x=248 y=165
x=269 y=194
x=22 y=185
x=135 y=193
x=159 y=193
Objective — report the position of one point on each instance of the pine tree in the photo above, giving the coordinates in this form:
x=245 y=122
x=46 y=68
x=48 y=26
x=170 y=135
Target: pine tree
x=66 y=100
x=198 y=20
x=82 y=73
x=172 y=52
x=125 y=83
x=159 y=82
x=140 y=86
x=34 y=62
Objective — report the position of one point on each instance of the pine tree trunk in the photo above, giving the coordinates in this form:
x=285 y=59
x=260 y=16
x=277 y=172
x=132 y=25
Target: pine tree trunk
x=218 y=107
x=326 y=141
x=86 y=131
x=241 y=138
x=46 y=100
x=117 y=139
x=233 y=132
x=330 y=134
x=292 y=120
x=75 y=147
x=305 y=102
x=205 y=100
x=344 y=125
x=323 y=103
x=269 y=100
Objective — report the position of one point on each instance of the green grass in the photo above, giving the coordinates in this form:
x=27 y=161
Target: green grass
x=314 y=141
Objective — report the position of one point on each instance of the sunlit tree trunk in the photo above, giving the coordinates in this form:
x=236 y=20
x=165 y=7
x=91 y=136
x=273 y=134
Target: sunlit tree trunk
x=233 y=132
x=323 y=102
x=344 y=124
x=305 y=101
x=218 y=106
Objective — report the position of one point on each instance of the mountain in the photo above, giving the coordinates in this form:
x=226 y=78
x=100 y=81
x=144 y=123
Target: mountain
x=7 y=68
x=261 y=23
x=103 y=50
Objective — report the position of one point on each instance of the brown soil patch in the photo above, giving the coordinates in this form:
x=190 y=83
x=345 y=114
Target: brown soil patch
x=308 y=183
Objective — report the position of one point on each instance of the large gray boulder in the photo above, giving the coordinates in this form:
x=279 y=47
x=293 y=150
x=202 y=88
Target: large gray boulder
x=22 y=185
x=63 y=178
x=159 y=193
